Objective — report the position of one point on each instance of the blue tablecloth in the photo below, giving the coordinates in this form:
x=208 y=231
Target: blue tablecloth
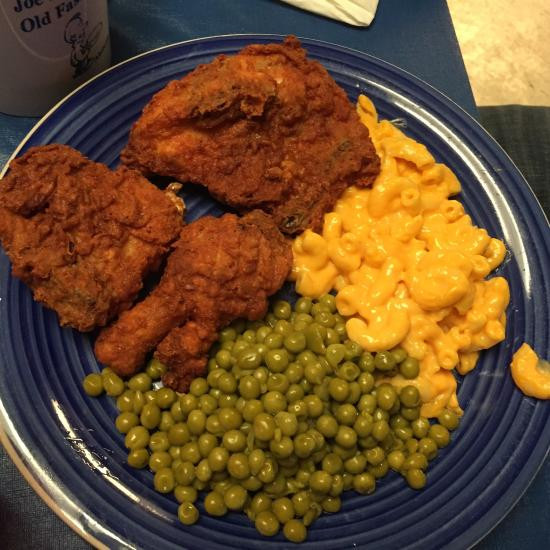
x=416 y=36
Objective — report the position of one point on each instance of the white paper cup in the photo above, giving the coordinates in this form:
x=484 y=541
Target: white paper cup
x=48 y=48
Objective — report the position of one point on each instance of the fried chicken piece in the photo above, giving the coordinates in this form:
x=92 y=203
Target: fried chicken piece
x=221 y=269
x=80 y=235
x=266 y=128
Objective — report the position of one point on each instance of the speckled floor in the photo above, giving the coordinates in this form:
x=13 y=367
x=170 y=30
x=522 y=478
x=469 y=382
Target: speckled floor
x=506 y=49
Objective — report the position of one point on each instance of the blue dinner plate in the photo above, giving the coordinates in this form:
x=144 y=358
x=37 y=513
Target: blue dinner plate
x=65 y=442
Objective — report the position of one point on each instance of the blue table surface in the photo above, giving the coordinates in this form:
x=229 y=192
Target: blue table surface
x=416 y=36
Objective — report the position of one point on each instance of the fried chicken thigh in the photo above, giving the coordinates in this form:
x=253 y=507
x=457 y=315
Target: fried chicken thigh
x=81 y=236
x=221 y=269
x=266 y=128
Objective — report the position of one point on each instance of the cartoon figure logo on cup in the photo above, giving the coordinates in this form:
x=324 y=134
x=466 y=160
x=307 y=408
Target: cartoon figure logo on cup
x=47 y=48
x=76 y=34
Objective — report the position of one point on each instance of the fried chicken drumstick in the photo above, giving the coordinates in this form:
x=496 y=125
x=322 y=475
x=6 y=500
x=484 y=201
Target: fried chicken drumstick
x=81 y=236
x=266 y=128
x=221 y=269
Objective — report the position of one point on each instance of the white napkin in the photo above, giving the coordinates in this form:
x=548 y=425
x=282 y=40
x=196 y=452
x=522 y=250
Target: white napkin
x=355 y=12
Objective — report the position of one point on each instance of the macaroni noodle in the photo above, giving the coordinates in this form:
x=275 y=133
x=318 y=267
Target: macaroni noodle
x=409 y=266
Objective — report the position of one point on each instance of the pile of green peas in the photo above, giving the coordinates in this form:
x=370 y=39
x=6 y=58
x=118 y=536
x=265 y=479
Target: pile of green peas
x=290 y=414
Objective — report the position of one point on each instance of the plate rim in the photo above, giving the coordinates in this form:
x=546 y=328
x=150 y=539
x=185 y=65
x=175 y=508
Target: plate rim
x=5 y=439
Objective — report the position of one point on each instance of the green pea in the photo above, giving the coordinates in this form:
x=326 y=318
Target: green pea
x=314 y=405
x=150 y=396
x=366 y=362
x=249 y=387
x=385 y=396
x=164 y=481
x=188 y=402
x=112 y=384
x=188 y=513
x=252 y=409
x=375 y=456
x=356 y=464
x=335 y=354
x=283 y=509
x=274 y=402
x=295 y=342
x=287 y=423
x=125 y=401
x=208 y=404
x=449 y=419
x=440 y=435
x=159 y=442
x=185 y=494
x=235 y=497
x=363 y=425
x=214 y=504
x=346 y=437
x=415 y=460
x=234 y=440
x=228 y=334
x=196 y=422
x=238 y=467
x=227 y=400
x=301 y=502
x=416 y=478
x=315 y=334
x=399 y=355
x=282 y=309
x=282 y=327
x=380 y=430
x=367 y=403
x=203 y=472
x=165 y=397
x=267 y=523
x=184 y=472
x=340 y=329
x=277 y=359
x=159 y=460
x=137 y=438
x=126 y=421
x=249 y=359
x=396 y=460
x=410 y=413
x=93 y=384
x=274 y=340
x=264 y=427
x=409 y=396
x=138 y=458
x=380 y=470
x=256 y=460
x=206 y=443
x=327 y=425
x=176 y=412
x=278 y=382
x=150 y=415
x=384 y=361
x=281 y=448
x=338 y=389
x=230 y=418
x=227 y=383
x=409 y=368
x=428 y=447
x=304 y=445
x=303 y=305
x=364 y=483
x=190 y=452
x=178 y=434
x=331 y=504
x=155 y=369
x=346 y=414
x=217 y=459
x=140 y=382
x=261 y=502
x=420 y=427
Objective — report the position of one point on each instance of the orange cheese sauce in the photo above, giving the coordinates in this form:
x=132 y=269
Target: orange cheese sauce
x=409 y=266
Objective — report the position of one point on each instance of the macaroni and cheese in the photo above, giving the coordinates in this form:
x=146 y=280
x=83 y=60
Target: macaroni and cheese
x=409 y=266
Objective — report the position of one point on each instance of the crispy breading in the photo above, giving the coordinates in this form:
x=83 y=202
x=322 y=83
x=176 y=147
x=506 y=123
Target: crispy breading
x=81 y=236
x=221 y=269
x=266 y=128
